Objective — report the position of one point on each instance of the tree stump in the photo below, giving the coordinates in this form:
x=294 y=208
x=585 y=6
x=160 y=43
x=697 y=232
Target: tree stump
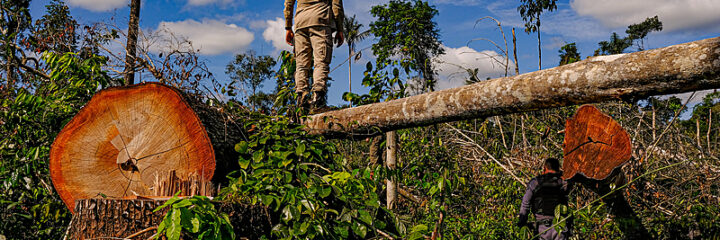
x=595 y=149
x=121 y=218
x=116 y=145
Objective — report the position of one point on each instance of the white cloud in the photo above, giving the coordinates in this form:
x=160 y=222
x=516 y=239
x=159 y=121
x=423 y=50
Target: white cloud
x=676 y=15
x=453 y=63
x=554 y=43
x=98 y=5
x=275 y=34
x=211 y=37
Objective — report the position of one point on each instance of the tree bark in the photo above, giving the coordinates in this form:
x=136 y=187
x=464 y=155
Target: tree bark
x=375 y=151
x=121 y=218
x=390 y=163
x=674 y=69
x=517 y=65
x=350 y=59
x=539 y=50
x=131 y=47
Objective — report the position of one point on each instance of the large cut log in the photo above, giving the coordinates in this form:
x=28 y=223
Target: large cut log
x=595 y=145
x=135 y=219
x=674 y=69
x=124 y=137
x=595 y=148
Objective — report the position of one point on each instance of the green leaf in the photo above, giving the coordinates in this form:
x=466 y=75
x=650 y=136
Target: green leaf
x=300 y=150
x=175 y=228
x=287 y=213
x=365 y=216
x=244 y=162
x=258 y=156
x=195 y=222
x=359 y=229
x=182 y=203
x=241 y=147
x=324 y=192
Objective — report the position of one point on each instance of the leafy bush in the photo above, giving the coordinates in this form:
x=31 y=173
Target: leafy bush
x=304 y=180
x=29 y=206
x=197 y=217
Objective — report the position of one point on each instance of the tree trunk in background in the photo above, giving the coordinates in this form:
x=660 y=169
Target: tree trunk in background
x=375 y=152
x=390 y=163
x=517 y=65
x=539 y=51
x=131 y=47
x=350 y=71
x=120 y=219
x=674 y=69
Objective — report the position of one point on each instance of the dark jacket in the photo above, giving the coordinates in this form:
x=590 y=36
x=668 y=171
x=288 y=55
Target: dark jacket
x=542 y=195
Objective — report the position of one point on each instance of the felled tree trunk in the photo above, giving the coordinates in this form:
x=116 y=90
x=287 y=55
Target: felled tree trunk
x=674 y=69
x=124 y=137
x=595 y=149
x=135 y=219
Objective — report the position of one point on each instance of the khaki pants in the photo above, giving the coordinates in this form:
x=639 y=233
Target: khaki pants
x=313 y=44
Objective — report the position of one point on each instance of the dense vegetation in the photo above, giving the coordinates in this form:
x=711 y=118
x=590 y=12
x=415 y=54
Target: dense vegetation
x=460 y=180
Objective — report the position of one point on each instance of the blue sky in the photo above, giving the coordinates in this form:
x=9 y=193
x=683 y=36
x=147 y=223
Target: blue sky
x=222 y=28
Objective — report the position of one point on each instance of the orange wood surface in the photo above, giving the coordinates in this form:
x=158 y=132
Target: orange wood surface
x=594 y=144
x=148 y=124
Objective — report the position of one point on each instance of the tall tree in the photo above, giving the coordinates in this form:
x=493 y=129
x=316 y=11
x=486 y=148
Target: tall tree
x=635 y=32
x=569 y=54
x=530 y=10
x=352 y=36
x=131 y=47
x=55 y=31
x=405 y=29
x=15 y=20
x=639 y=31
x=616 y=45
x=250 y=71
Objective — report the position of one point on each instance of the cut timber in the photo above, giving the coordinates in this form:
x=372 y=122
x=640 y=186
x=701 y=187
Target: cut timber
x=118 y=142
x=119 y=219
x=674 y=69
x=594 y=144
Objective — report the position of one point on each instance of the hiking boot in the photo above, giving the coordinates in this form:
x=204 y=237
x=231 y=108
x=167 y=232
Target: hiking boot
x=319 y=100
x=302 y=100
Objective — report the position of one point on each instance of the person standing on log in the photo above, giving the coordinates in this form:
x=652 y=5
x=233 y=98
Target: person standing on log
x=315 y=20
x=543 y=194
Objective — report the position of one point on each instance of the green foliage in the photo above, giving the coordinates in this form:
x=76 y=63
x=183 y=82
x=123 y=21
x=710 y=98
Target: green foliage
x=285 y=83
x=530 y=11
x=569 y=54
x=303 y=180
x=251 y=71
x=405 y=29
x=194 y=217
x=639 y=31
x=635 y=32
x=616 y=45
x=353 y=34
x=29 y=206
x=55 y=30
x=383 y=86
